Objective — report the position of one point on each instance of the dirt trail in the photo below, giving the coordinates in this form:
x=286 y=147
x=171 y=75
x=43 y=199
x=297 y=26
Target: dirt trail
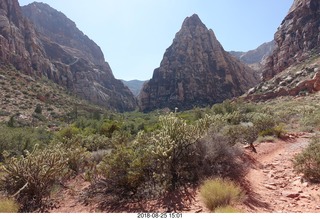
x=274 y=186
x=272 y=183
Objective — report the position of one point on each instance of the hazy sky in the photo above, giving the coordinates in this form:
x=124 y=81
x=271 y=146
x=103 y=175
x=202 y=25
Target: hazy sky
x=134 y=34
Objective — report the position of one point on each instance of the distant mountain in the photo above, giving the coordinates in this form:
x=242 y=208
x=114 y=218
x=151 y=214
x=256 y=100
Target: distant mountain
x=294 y=66
x=134 y=86
x=195 y=71
x=43 y=43
x=256 y=58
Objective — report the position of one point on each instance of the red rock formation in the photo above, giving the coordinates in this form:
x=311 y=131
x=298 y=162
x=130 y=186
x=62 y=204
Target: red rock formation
x=195 y=71
x=297 y=38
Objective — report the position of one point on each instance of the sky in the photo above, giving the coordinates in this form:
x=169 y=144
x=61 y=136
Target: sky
x=134 y=34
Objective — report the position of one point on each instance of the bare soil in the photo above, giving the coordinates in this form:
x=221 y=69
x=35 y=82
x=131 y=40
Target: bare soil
x=271 y=186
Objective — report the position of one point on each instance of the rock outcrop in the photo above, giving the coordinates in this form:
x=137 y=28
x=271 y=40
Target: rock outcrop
x=297 y=38
x=50 y=45
x=195 y=71
x=256 y=58
x=18 y=41
x=295 y=80
x=293 y=67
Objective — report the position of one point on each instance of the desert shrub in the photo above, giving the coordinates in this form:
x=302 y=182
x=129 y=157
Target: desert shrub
x=97 y=156
x=223 y=108
x=38 y=109
x=234 y=118
x=68 y=132
x=279 y=130
x=249 y=133
x=154 y=163
x=217 y=156
x=226 y=209
x=127 y=168
x=8 y=205
x=39 y=117
x=267 y=138
x=4 y=113
x=77 y=155
x=30 y=178
x=263 y=122
x=311 y=121
x=11 y=122
x=232 y=132
x=108 y=128
x=16 y=140
x=219 y=193
x=175 y=152
x=96 y=142
x=308 y=161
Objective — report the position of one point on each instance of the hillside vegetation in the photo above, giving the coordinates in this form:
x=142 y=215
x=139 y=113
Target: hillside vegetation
x=135 y=156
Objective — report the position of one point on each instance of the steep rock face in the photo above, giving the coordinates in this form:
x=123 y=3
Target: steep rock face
x=59 y=51
x=257 y=55
x=297 y=38
x=18 y=41
x=59 y=29
x=195 y=71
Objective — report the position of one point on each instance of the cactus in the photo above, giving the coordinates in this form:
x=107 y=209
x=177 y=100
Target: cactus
x=30 y=178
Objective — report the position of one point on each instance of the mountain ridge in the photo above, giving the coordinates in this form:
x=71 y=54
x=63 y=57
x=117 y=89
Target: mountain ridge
x=32 y=50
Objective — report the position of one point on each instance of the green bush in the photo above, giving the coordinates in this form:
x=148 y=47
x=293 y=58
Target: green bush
x=108 y=128
x=77 y=155
x=31 y=178
x=15 y=140
x=311 y=121
x=154 y=163
x=127 y=169
x=226 y=107
x=97 y=142
x=8 y=206
x=68 y=132
x=220 y=193
x=175 y=152
x=308 y=161
x=262 y=121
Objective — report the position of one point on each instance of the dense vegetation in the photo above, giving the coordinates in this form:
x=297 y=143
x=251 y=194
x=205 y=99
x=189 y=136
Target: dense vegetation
x=135 y=156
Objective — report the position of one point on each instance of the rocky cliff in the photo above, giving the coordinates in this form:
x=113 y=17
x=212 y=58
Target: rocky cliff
x=50 y=45
x=293 y=67
x=256 y=58
x=195 y=71
x=297 y=38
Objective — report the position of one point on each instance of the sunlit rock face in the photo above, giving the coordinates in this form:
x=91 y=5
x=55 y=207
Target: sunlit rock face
x=297 y=38
x=195 y=71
